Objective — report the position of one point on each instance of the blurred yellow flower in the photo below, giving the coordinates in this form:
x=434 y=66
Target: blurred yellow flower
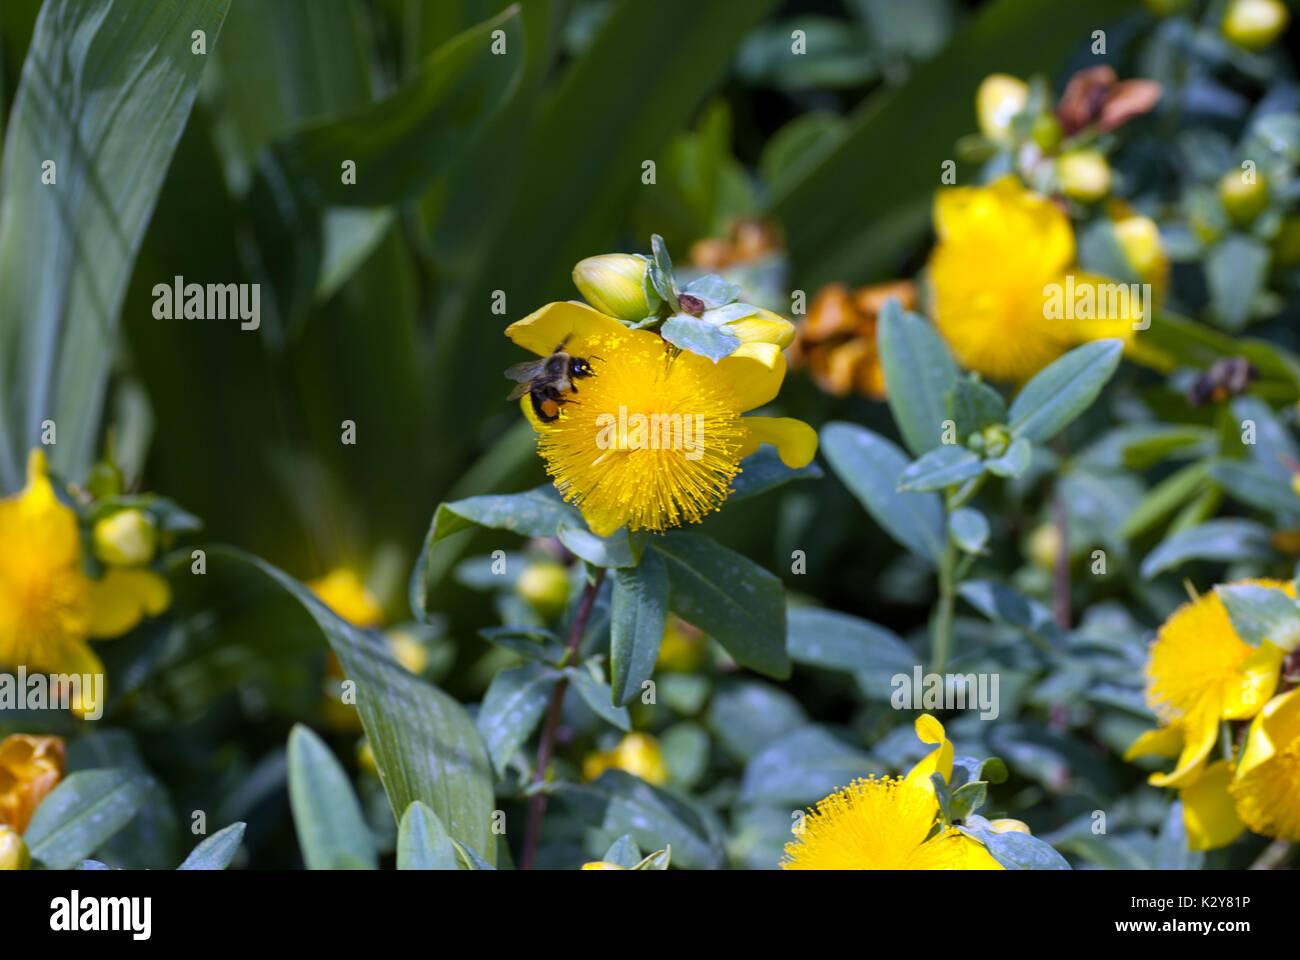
x=997 y=101
x=546 y=587
x=682 y=648
x=637 y=754
x=885 y=823
x=1254 y=24
x=1267 y=782
x=602 y=865
x=1002 y=262
x=49 y=607
x=1200 y=673
x=655 y=437
x=30 y=767
x=343 y=592
x=1085 y=175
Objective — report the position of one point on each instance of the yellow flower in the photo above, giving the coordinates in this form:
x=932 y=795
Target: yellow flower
x=655 y=437
x=1209 y=815
x=1200 y=673
x=30 y=767
x=602 y=865
x=1003 y=252
x=343 y=592
x=1139 y=240
x=637 y=754
x=1268 y=770
x=13 y=852
x=884 y=823
x=49 y=608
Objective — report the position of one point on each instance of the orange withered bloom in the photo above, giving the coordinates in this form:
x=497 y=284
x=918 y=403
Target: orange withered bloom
x=749 y=239
x=836 y=341
x=30 y=767
x=1097 y=96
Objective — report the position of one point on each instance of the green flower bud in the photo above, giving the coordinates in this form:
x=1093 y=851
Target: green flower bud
x=1047 y=132
x=999 y=98
x=613 y=284
x=996 y=441
x=128 y=538
x=1254 y=24
x=1243 y=200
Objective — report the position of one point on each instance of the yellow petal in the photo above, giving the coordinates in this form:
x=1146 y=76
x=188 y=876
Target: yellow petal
x=763 y=326
x=581 y=329
x=939 y=760
x=75 y=658
x=754 y=373
x=123 y=597
x=1277 y=725
x=1201 y=729
x=1208 y=811
x=1260 y=675
x=1161 y=742
x=795 y=441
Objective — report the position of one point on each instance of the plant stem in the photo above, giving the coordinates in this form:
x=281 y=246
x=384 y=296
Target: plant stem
x=537 y=802
x=941 y=643
x=1061 y=574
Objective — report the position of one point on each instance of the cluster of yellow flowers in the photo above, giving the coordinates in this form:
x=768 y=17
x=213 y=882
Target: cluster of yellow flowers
x=1205 y=684
x=49 y=606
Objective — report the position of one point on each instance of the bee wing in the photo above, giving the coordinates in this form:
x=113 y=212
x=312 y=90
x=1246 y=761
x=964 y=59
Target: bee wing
x=524 y=371
x=519 y=391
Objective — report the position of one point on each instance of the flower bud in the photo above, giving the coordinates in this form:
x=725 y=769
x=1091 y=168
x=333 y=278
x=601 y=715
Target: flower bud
x=128 y=538
x=1044 y=543
x=1007 y=825
x=1047 y=132
x=1243 y=199
x=996 y=441
x=682 y=648
x=546 y=587
x=407 y=650
x=1139 y=239
x=999 y=98
x=1085 y=175
x=637 y=754
x=613 y=284
x=1254 y=24
x=603 y=865
x=366 y=757
x=13 y=852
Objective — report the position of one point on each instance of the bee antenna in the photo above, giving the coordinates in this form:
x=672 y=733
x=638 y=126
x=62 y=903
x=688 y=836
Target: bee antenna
x=594 y=357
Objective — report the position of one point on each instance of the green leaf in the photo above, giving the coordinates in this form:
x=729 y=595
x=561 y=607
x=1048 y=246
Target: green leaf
x=940 y=468
x=332 y=831
x=423 y=843
x=869 y=465
x=81 y=814
x=729 y=597
x=699 y=336
x=1256 y=485
x=803 y=767
x=597 y=695
x=619 y=803
x=426 y=746
x=1228 y=541
x=1235 y=270
x=612 y=551
x=105 y=93
x=639 y=614
x=534 y=643
x=919 y=372
x=747 y=715
x=763 y=470
x=1001 y=603
x=969 y=529
x=512 y=708
x=1063 y=390
x=973 y=405
x=1019 y=851
x=1261 y=613
x=624 y=852
x=216 y=852
x=838 y=641
x=713 y=290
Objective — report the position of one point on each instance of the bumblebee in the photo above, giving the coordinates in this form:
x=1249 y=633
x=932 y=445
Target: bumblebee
x=1226 y=378
x=549 y=380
